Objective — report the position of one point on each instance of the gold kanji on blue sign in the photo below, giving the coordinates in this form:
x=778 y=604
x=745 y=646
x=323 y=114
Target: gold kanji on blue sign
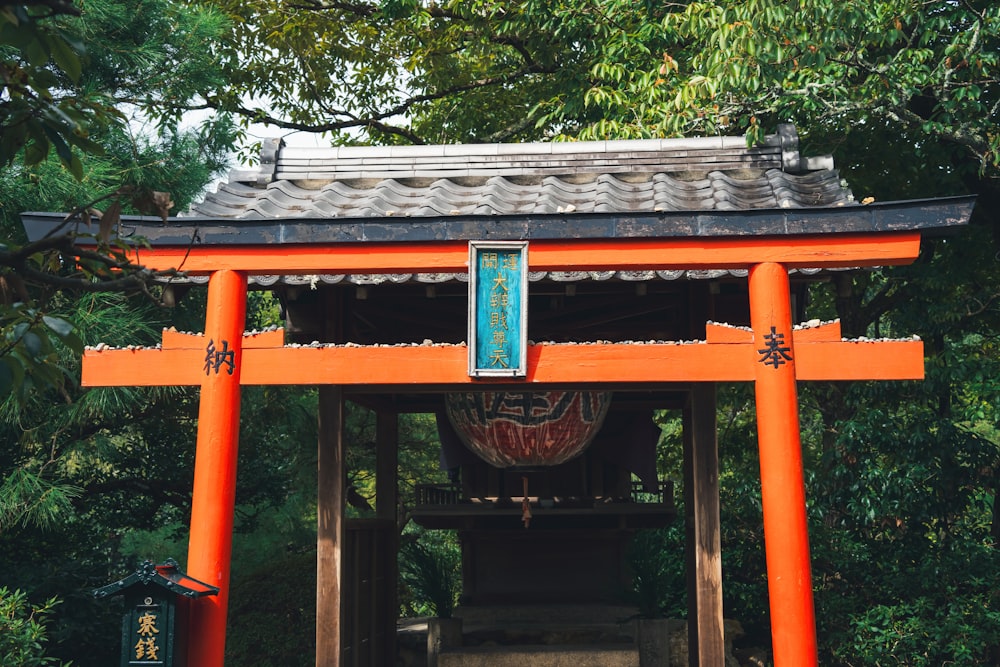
x=498 y=308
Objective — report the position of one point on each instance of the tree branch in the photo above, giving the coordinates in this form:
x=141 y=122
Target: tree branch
x=360 y=9
x=522 y=123
x=134 y=277
x=157 y=490
x=978 y=145
x=377 y=120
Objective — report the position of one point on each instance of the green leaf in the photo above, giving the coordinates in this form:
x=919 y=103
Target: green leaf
x=16 y=369
x=32 y=343
x=64 y=56
x=18 y=331
x=85 y=144
x=35 y=152
x=36 y=53
x=59 y=326
x=17 y=36
x=62 y=148
x=75 y=167
x=73 y=342
x=6 y=377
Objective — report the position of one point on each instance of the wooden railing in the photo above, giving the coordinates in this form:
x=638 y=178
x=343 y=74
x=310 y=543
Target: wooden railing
x=664 y=492
x=451 y=494
x=438 y=494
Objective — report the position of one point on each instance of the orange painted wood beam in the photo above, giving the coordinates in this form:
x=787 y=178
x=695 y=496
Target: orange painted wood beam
x=626 y=254
x=548 y=363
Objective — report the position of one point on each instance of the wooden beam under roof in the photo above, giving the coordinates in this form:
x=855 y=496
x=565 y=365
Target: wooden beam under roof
x=639 y=254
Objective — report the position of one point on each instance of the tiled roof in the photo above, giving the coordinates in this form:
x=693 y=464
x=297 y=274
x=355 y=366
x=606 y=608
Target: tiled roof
x=661 y=188
x=706 y=174
x=658 y=175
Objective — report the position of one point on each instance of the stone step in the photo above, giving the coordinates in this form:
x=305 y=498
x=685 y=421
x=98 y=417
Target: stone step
x=535 y=635
x=550 y=614
x=541 y=656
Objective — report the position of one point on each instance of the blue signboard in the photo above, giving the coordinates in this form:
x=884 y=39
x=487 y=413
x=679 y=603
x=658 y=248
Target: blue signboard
x=498 y=308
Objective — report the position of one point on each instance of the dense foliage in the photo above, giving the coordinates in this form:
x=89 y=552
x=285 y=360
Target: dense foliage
x=77 y=470
x=71 y=86
x=486 y=70
x=902 y=477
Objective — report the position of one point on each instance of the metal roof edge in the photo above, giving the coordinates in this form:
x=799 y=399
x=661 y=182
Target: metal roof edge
x=925 y=215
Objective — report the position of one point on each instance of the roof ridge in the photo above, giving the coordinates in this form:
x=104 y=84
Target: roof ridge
x=779 y=150
x=525 y=148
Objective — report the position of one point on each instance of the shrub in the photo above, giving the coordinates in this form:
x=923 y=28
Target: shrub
x=22 y=630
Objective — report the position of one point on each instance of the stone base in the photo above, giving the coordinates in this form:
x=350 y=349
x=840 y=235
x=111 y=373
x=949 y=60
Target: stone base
x=541 y=656
x=561 y=636
x=656 y=639
x=443 y=635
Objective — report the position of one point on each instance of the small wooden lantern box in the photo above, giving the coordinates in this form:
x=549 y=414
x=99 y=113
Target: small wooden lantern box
x=148 y=620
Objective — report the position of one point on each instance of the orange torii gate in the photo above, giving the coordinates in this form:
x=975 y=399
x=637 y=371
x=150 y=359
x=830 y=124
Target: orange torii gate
x=773 y=354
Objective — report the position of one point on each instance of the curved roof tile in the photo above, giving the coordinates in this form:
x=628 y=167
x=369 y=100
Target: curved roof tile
x=713 y=173
x=659 y=175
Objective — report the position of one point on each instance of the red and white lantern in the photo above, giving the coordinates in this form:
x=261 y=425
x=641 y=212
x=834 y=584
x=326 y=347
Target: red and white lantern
x=527 y=429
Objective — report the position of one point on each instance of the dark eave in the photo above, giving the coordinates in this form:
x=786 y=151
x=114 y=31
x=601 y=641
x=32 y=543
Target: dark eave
x=932 y=216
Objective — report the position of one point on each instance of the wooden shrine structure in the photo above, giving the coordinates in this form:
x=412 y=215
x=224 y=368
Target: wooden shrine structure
x=634 y=250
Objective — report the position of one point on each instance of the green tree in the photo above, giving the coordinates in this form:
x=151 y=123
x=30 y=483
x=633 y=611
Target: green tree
x=77 y=472
x=73 y=78
x=66 y=76
x=66 y=70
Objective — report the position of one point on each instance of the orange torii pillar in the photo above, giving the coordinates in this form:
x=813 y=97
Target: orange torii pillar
x=786 y=536
x=214 y=496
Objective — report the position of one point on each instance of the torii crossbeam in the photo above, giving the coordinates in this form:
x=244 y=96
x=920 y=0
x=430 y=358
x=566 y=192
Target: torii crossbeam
x=728 y=354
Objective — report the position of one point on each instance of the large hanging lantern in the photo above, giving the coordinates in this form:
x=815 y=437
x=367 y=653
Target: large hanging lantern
x=508 y=429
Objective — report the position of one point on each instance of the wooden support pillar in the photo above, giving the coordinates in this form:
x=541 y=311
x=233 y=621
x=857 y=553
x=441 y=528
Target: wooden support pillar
x=386 y=464
x=786 y=537
x=331 y=483
x=214 y=496
x=386 y=508
x=706 y=636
